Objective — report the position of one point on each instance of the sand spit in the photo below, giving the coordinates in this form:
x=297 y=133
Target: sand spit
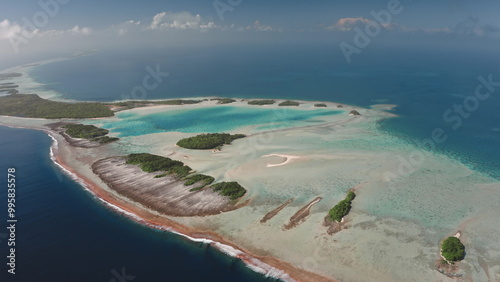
x=300 y=216
x=274 y=212
x=166 y=195
x=288 y=159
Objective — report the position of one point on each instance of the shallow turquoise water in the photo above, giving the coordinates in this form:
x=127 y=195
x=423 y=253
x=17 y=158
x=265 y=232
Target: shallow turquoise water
x=211 y=120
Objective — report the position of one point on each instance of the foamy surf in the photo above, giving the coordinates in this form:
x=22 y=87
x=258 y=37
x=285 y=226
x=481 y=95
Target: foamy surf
x=251 y=262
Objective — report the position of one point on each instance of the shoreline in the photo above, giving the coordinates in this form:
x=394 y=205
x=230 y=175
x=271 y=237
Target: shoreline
x=266 y=259
x=268 y=266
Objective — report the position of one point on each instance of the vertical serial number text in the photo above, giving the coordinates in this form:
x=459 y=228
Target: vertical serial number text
x=11 y=221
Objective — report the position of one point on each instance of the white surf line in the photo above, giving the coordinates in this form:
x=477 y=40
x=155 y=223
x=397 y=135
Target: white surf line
x=251 y=262
x=288 y=158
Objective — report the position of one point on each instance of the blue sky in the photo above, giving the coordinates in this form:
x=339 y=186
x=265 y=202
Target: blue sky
x=290 y=13
x=90 y=24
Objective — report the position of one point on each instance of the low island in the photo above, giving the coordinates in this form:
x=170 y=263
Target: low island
x=223 y=100
x=89 y=132
x=261 y=102
x=178 y=192
x=335 y=218
x=452 y=249
x=32 y=106
x=288 y=103
x=342 y=208
x=208 y=141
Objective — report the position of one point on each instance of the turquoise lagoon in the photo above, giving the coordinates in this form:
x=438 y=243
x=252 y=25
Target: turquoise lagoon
x=212 y=120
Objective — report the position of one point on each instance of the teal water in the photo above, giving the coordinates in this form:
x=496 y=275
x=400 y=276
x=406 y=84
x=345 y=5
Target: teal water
x=210 y=120
x=423 y=83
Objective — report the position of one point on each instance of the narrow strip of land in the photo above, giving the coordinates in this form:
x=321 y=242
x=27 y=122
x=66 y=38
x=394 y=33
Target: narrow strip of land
x=300 y=215
x=274 y=212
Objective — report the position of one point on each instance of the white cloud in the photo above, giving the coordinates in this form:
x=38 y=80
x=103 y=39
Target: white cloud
x=9 y=30
x=182 y=20
x=125 y=27
x=77 y=30
x=348 y=24
x=13 y=31
x=258 y=26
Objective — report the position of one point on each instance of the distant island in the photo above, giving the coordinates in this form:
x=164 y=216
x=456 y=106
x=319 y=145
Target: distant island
x=261 y=102
x=127 y=105
x=32 y=106
x=9 y=88
x=208 y=141
x=223 y=100
x=288 y=103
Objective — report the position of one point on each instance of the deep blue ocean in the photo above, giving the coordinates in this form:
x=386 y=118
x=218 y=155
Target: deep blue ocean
x=64 y=234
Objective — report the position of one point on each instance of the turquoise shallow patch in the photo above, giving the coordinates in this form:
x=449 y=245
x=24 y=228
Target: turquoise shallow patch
x=211 y=120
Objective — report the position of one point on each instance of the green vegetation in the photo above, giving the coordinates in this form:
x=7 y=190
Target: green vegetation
x=230 y=189
x=354 y=113
x=208 y=141
x=4 y=76
x=261 y=102
x=342 y=208
x=84 y=131
x=180 y=171
x=105 y=139
x=190 y=180
x=9 y=88
x=321 y=105
x=177 y=102
x=32 y=106
x=137 y=104
x=452 y=249
x=204 y=179
x=152 y=163
x=89 y=132
x=289 y=103
x=130 y=104
x=224 y=100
